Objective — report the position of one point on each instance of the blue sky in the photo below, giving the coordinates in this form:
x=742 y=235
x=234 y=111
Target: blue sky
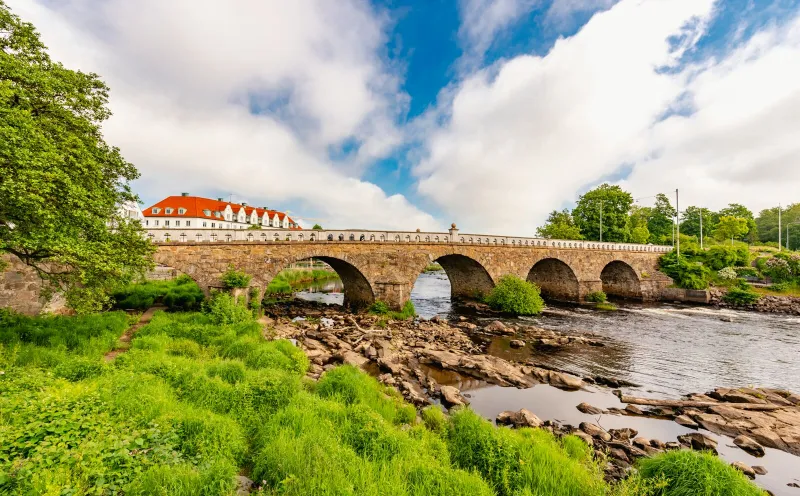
x=418 y=113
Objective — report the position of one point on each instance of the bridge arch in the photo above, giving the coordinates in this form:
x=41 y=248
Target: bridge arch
x=556 y=279
x=468 y=277
x=621 y=280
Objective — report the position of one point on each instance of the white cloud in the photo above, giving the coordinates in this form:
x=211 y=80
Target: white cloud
x=482 y=20
x=561 y=10
x=528 y=134
x=182 y=74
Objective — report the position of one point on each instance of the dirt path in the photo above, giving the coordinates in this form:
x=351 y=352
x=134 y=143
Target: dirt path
x=125 y=339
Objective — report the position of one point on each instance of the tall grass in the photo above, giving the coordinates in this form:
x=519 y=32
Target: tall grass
x=289 y=279
x=179 y=294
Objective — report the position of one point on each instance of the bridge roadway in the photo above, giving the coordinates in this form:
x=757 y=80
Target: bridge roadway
x=383 y=265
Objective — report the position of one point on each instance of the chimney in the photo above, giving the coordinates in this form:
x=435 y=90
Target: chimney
x=219 y=199
x=244 y=204
x=184 y=194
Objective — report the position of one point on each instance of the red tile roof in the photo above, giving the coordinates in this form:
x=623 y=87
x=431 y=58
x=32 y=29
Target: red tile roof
x=196 y=206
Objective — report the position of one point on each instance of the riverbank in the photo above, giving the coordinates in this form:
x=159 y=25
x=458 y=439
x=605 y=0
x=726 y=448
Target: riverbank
x=289 y=280
x=421 y=359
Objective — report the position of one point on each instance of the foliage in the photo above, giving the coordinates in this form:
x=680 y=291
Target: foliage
x=767 y=225
x=288 y=280
x=686 y=274
x=559 y=225
x=180 y=294
x=741 y=294
x=379 y=308
x=60 y=183
x=690 y=221
x=727 y=273
x=514 y=296
x=691 y=472
x=718 y=257
x=740 y=211
x=596 y=297
x=382 y=308
x=746 y=271
x=661 y=223
x=781 y=287
x=778 y=269
x=233 y=278
x=433 y=267
x=317 y=227
x=615 y=204
x=224 y=309
x=730 y=227
x=640 y=234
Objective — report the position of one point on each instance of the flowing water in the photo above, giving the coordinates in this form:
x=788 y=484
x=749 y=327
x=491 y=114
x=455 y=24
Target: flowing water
x=667 y=350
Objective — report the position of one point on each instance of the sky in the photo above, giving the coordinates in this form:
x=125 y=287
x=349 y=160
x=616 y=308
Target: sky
x=406 y=114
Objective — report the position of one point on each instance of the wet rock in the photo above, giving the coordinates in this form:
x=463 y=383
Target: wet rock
x=521 y=418
x=497 y=327
x=517 y=343
x=672 y=445
x=452 y=396
x=589 y=409
x=793 y=484
x=243 y=485
x=585 y=437
x=641 y=442
x=699 y=441
x=613 y=382
x=624 y=434
x=634 y=410
x=555 y=379
x=759 y=470
x=686 y=421
x=595 y=430
x=658 y=444
x=414 y=394
x=492 y=369
x=748 y=444
x=745 y=469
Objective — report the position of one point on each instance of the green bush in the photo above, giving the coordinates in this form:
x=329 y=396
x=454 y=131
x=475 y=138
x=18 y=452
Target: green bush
x=596 y=297
x=233 y=278
x=778 y=269
x=691 y=472
x=781 y=287
x=223 y=309
x=718 y=257
x=180 y=294
x=379 y=308
x=741 y=294
x=746 y=271
x=686 y=274
x=514 y=296
x=78 y=368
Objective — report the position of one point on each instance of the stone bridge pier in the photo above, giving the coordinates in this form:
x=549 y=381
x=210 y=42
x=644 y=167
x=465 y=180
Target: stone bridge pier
x=387 y=271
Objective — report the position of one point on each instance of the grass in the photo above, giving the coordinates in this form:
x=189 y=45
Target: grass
x=179 y=294
x=382 y=309
x=194 y=403
x=289 y=279
x=606 y=306
x=433 y=267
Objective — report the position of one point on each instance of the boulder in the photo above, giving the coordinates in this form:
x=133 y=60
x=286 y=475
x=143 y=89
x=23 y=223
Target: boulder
x=624 y=434
x=759 y=470
x=595 y=430
x=633 y=410
x=556 y=379
x=352 y=358
x=585 y=437
x=452 y=396
x=521 y=418
x=243 y=485
x=589 y=409
x=699 y=441
x=745 y=469
x=685 y=421
x=749 y=444
x=497 y=327
x=642 y=442
x=517 y=343
x=619 y=454
x=672 y=445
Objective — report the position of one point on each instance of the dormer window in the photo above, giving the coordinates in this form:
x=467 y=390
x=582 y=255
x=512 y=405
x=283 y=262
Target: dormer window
x=168 y=211
x=156 y=210
x=181 y=211
x=207 y=212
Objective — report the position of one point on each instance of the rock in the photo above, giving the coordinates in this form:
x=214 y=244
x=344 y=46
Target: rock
x=793 y=484
x=521 y=418
x=556 y=379
x=595 y=430
x=619 y=454
x=634 y=410
x=749 y=444
x=414 y=393
x=517 y=343
x=641 y=442
x=741 y=397
x=490 y=368
x=672 y=445
x=497 y=327
x=745 y=469
x=243 y=485
x=699 y=441
x=589 y=409
x=352 y=358
x=686 y=421
x=759 y=470
x=452 y=396
x=658 y=444
x=624 y=434
x=585 y=437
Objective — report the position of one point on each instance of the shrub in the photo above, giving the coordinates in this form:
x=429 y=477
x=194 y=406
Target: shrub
x=233 y=278
x=741 y=294
x=596 y=297
x=778 y=269
x=223 y=309
x=727 y=274
x=685 y=273
x=718 y=257
x=692 y=472
x=515 y=296
x=746 y=271
x=379 y=308
x=781 y=287
x=78 y=368
x=180 y=294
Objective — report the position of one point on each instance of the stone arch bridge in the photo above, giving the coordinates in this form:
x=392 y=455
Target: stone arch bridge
x=384 y=265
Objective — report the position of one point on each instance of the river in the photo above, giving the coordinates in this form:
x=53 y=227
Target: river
x=667 y=350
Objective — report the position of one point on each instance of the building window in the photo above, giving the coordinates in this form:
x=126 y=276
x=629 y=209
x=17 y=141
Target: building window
x=188 y=223
x=177 y=223
x=204 y=224
x=212 y=224
x=166 y=223
x=156 y=210
x=168 y=211
x=156 y=222
x=181 y=211
x=147 y=222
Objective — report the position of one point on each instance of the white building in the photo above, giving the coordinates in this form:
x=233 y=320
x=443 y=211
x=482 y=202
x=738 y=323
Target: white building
x=194 y=212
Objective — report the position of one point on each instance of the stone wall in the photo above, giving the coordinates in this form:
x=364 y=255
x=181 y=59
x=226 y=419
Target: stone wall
x=21 y=287
x=387 y=271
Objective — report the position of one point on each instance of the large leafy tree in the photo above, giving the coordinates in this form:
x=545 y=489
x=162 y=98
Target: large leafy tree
x=559 y=225
x=61 y=184
x=730 y=227
x=616 y=205
x=767 y=224
x=738 y=210
x=660 y=223
x=690 y=221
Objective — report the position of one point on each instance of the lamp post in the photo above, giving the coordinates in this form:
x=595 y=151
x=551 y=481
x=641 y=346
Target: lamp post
x=677 y=224
x=779 y=228
x=601 y=221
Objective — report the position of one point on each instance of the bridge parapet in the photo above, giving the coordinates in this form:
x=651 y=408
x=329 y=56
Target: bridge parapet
x=389 y=237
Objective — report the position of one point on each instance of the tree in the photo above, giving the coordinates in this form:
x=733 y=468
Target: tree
x=616 y=205
x=559 y=225
x=690 y=223
x=640 y=234
x=737 y=210
x=61 y=184
x=767 y=225
x=730 y=227
x=317 y=227
x=661 y=220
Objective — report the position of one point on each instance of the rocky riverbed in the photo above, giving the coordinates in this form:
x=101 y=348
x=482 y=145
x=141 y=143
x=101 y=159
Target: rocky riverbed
x=413 y=356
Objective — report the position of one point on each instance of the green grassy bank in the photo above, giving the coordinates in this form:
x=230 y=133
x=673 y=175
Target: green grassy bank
x=193 y=403
x=289 y=279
